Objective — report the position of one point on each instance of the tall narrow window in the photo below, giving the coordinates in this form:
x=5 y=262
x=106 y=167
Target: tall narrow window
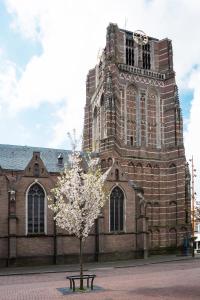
x=146 y=56
x=36 y=170
x=116 y=174
x=153 y=130
x=96 y=130
x=131 y=118
x=102 y=118
x=131 y=140
x=116 y=210
x=130 y=51
x=36 y=199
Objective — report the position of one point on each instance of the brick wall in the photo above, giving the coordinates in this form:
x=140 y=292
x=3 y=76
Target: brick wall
x=154 y=157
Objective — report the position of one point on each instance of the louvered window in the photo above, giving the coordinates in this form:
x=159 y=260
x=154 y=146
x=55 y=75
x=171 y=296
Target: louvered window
x=146 y=57
x=130 y=51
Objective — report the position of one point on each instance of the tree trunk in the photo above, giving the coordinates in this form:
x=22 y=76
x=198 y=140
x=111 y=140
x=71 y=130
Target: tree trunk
x=81 y=265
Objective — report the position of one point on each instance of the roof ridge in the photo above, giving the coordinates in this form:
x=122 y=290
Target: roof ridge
x=16 y=157
x=33 y=147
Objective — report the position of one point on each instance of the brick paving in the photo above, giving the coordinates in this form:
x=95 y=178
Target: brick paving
x=169 y=280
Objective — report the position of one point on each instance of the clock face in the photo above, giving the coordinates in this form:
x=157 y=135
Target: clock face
x=140 y=37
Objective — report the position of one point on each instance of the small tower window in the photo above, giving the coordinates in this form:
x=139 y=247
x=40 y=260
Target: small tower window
x=146 y=57
x=116 y=174
x=129 y=51
x=60 y=159
x=131 y=140
x=36 y=170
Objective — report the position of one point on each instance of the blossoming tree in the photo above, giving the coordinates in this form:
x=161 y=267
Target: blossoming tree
x=197 y=214
x=78 y=198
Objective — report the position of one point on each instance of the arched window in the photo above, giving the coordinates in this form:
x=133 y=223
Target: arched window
x=153 y=133
x=102 y=118
x=148 y=169
x=116 y=210
x=36 y=203
x=131 y=116
x=95 y=130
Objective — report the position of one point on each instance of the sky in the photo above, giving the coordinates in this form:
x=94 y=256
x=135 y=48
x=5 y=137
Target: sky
x=48 y=46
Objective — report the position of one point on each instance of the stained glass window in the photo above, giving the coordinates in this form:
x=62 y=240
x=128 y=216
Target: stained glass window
x=36 y=199
x=116 y=210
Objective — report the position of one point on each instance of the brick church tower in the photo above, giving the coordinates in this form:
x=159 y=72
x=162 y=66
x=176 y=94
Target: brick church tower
x=133 y=120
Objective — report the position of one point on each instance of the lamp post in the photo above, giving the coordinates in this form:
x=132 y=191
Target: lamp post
x=193 y=205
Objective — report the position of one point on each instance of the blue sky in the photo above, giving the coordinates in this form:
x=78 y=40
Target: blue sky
x=48 y=46
x=36 y=122
x=15 y=47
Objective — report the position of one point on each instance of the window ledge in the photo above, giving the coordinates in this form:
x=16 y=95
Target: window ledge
x=36 y=234
x=117 y=232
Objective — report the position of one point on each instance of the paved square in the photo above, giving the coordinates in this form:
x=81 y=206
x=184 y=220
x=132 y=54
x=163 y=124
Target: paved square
x=170 y=280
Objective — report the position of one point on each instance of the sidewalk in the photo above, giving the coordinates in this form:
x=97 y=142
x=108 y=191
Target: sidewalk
x=156 y=259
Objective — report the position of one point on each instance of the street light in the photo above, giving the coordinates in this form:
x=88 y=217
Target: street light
x=193 y=194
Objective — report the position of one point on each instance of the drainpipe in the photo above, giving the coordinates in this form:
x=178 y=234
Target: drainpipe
x=54 y=240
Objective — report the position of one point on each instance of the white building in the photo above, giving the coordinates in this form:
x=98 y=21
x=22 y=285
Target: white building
x=197 y=241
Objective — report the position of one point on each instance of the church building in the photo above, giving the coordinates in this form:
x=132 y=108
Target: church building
x=133 y=122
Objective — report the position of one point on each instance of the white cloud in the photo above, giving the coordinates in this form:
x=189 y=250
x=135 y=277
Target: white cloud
x=192 y=132
x=69 y=119
x=71 y=32
x=8 y=83
x=29 y=15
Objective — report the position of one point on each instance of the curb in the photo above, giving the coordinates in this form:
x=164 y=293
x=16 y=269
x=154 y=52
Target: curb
x=32 y=272
x=156 y=262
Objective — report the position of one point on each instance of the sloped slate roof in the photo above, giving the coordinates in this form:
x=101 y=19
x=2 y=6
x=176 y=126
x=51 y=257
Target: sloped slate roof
x=17 y=157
